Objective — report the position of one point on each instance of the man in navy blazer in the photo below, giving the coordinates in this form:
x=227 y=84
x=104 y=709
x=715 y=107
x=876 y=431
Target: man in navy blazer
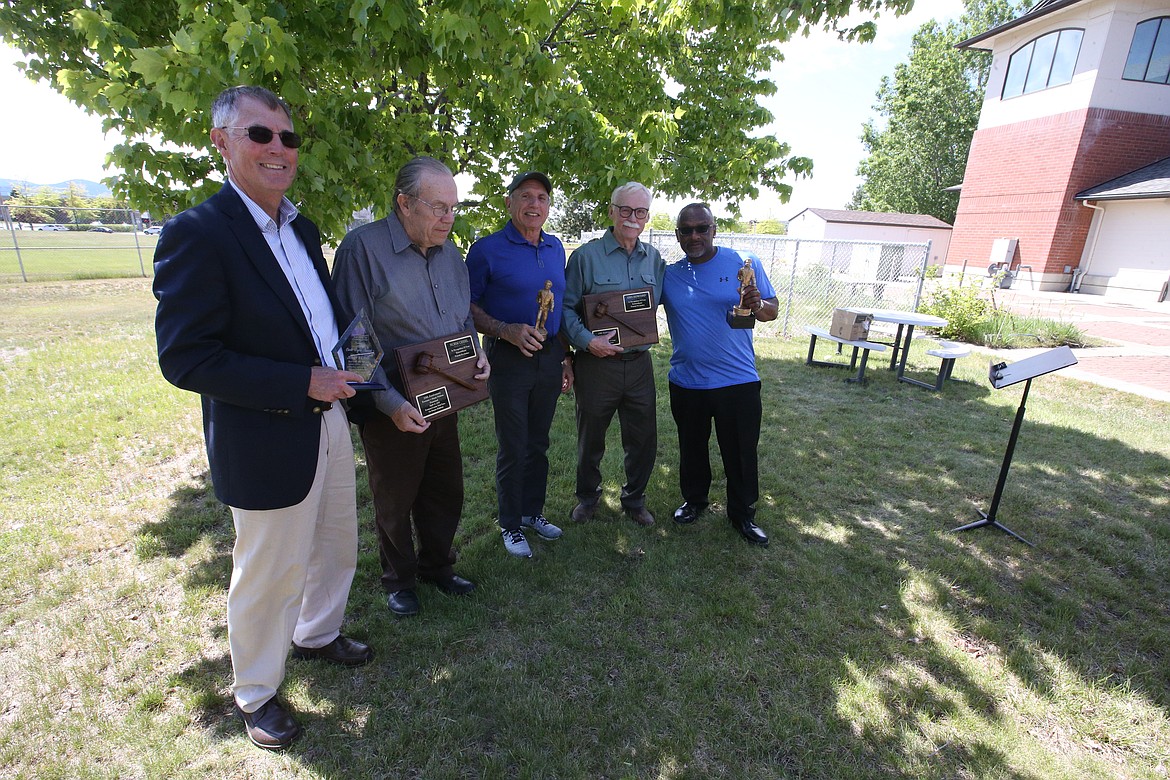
x=246 y=318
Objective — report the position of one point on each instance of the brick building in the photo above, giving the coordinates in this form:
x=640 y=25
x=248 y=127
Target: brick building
x=1077 y=97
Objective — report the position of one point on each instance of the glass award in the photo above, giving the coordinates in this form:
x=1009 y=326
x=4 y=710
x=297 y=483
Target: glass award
x=358 y=351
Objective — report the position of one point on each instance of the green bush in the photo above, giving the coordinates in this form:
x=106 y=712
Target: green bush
x=972 y=317
x=964 y=309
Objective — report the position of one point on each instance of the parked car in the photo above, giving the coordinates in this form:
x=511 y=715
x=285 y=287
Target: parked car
x=153 y=230
x=56 y=228
x=100 y=229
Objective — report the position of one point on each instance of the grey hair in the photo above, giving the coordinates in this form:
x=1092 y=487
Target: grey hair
x=226 y=106
x=630 y=186
x=408 y=182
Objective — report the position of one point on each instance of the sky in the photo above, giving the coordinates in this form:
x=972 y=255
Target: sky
x=826 y=91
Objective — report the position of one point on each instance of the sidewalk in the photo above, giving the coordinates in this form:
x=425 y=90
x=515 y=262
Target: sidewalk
x=1139 y=360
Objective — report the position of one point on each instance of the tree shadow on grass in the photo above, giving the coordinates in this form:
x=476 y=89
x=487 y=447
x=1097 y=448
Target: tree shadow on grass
x=1064 y=621
x=198 y=526
x=868 y=641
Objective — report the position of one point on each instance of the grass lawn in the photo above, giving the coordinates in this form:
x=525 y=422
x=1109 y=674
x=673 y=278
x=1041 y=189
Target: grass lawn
x=49 y=255
x=866 y=642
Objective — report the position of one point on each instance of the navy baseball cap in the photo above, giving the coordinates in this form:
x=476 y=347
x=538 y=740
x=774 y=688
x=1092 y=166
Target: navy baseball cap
x=530 y=176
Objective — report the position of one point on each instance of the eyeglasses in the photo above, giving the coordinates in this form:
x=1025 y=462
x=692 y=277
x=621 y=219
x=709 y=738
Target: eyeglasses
x=686 y=231
x=627 y=211
x=438 y=211
x=262 y=135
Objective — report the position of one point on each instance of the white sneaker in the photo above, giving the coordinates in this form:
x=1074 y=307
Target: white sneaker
x=515 y=543
x=542 y=526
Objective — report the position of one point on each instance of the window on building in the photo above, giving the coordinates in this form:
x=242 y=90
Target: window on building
x=1047 y=61
x=1149 y=54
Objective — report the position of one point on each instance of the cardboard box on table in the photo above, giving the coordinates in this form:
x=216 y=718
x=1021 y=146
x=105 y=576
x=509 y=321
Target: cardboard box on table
x=850 y=324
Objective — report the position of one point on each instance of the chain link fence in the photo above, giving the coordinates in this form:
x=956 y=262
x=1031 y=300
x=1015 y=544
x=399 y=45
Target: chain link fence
x=814 y=276
x=43 y=243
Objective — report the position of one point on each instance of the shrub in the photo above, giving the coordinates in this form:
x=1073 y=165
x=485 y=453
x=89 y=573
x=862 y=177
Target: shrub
x=964 y=309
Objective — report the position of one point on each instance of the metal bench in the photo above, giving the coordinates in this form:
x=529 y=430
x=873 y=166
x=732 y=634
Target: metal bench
x=949 y=351
x=858 y=346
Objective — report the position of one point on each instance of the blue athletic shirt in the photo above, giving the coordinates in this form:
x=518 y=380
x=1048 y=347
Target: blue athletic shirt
x=709 y=353
x=507 y=272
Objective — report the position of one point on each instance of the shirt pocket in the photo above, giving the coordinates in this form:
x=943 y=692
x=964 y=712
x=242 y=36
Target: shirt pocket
x=606 y=282
x=651 y=281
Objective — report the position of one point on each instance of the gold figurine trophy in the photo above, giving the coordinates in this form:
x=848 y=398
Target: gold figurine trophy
x=741 y=316
x=544 y=304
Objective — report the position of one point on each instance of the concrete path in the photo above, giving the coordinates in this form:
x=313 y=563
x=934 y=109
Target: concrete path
x=1138 y=360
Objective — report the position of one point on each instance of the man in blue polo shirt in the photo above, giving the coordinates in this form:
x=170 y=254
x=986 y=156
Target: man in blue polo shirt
x=713 y=369
x=517 y=288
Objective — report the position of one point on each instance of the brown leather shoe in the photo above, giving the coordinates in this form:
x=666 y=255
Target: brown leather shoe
x=641 y=516
x=583 y=512
x=270 y=727
x=342 y=651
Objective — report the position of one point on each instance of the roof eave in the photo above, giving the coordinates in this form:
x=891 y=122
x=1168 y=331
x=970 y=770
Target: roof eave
x=1134 y=196
x=1026 y=18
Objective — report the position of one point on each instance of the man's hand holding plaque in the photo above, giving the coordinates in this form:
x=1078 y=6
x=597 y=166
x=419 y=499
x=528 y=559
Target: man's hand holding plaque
x=443 y=375
x=358 y=351
x=624 y=318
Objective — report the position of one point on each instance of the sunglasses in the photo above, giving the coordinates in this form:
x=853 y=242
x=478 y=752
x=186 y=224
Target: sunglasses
x=686 y=231
x=262 y=135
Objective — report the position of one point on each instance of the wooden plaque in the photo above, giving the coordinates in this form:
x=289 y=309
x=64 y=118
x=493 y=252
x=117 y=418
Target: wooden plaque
x=439 y=375
x=626 y=317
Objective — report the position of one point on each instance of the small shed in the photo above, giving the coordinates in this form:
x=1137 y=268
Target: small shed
x=844 y=225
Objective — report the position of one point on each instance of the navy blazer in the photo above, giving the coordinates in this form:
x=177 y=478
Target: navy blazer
x=230 y=328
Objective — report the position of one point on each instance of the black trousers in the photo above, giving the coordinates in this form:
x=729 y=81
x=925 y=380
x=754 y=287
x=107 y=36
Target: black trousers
x=524 y=392
x=608 y=385
x=414 y=477
x=737 y=412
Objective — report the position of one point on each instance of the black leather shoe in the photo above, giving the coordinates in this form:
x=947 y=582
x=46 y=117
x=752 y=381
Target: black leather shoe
x=583 y=512
x=270 y=727
x=688 y=513
x=750 y=531
x=403 y=603
x=342 y=651
x=641 y=516
x=452 y=583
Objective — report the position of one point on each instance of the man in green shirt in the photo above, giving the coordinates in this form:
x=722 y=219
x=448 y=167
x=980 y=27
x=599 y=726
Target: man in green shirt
x=609 y=378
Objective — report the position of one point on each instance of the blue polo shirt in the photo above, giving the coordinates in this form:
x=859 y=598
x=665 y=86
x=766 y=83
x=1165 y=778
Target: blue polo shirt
x=507 y=272
x=709 y=353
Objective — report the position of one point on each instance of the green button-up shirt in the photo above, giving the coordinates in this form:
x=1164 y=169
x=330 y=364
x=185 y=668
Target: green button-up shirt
x=601 y=266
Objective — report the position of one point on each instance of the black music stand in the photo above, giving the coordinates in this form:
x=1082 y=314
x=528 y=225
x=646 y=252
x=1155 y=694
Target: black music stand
x=1002 y=375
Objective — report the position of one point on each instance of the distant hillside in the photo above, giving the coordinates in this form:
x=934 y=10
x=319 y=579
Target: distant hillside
x=92 y=188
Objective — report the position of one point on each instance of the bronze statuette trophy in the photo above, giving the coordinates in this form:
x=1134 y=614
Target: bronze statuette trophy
x=741 y=316
x=544 y=304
